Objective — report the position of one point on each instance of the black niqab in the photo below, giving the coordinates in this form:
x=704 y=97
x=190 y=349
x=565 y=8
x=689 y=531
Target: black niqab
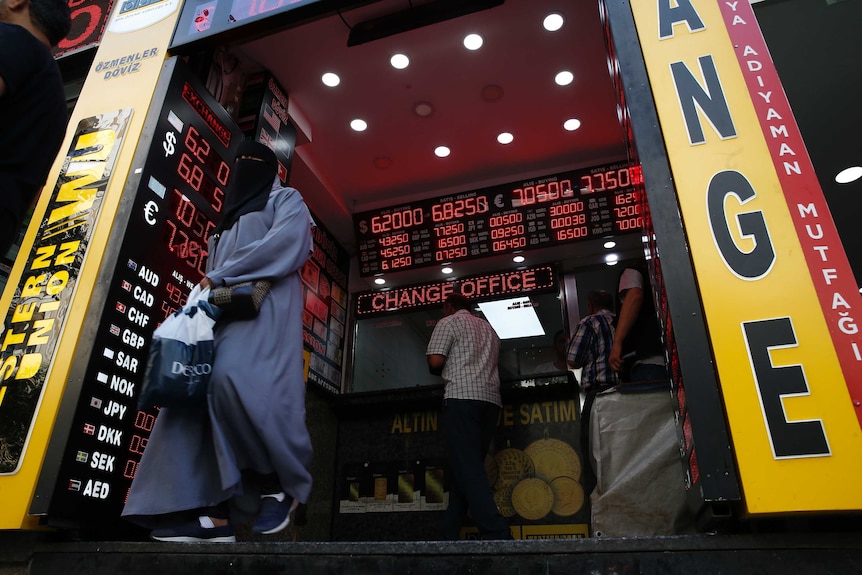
x=250 y=182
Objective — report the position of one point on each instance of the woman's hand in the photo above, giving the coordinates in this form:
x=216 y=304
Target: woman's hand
x=207 y=283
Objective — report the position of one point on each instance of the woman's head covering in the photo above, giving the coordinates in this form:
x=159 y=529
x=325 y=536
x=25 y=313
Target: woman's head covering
x=251 y=179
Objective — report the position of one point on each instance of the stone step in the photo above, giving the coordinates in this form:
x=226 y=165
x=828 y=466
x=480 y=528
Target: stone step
x=779 y=554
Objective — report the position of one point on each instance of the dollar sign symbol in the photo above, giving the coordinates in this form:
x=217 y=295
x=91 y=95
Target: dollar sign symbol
x=168 y=144
x=363 y=227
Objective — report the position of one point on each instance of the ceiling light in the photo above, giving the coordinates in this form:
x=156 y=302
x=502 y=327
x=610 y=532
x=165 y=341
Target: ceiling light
x=553 y=22
x=849 y=175
x=564 y=78
x=610 y=244
x=492 y=93
x=612 y=263
x=423 y=109
x=359 y=125
x=399 y=61
x=518 y=259
x=611 y=259
x=330 y=79
x=473 y=41
x=572 y=124
x=505 y=138
x=379 y=281
x=442 y=151
x=382 y=162
x=447 y=270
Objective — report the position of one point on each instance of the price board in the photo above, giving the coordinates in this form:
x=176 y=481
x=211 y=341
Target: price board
x=163 y=253
x=559 y=208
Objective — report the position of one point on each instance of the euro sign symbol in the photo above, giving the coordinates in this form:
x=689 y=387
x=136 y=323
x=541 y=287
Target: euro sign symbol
x=363 y=227
x=168 y=144
x=150 y=211
x=498 y=200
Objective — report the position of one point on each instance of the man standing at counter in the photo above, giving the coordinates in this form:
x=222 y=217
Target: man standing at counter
x=464 y=349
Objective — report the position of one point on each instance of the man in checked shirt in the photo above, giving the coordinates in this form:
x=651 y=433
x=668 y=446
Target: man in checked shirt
x=464 y=350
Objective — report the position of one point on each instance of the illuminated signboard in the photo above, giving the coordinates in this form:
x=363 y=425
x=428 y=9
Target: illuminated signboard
x=89 y=18
x=203 y=18
x=483 y=287
x=162 y=257
x=570 y=206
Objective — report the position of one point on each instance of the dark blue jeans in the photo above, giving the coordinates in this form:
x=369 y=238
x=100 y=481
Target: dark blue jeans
x=469 y=427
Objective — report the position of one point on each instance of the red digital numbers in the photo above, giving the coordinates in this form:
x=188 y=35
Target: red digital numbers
x=456 y=209
x=452 y=254
x=569 y=208
x=510 y=244
x=451 y=241
x=545 y=192
x=507 y=232
x=406 y=218
x=193 y=174
x=395 y=251
x=611 y=180
x=572 y=233
x=449 y=229
x=506 y=219
x=396 y=263
x=395 y=239
x=568 y=221
x=627 y=224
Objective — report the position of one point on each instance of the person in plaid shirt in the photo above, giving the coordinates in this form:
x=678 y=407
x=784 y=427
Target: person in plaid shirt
x=590 y=349
x=591 y=345
x=464 y=349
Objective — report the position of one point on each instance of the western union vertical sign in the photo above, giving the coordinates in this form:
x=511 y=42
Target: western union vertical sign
x=780 y=300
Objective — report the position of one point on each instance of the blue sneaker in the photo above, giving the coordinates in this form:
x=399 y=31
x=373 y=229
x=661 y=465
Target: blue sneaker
x=200 y=530
x=275 y=512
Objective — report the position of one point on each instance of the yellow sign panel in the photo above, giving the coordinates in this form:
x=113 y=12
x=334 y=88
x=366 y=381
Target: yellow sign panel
x=777 y=290
x=122 y=77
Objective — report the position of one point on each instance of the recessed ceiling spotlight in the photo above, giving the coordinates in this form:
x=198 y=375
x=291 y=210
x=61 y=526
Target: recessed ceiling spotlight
x=379 y=281
x=382 y=162
x=849 y=175
x=610 y=244
x=423 y=109
x=492 y=93
x=359 y=125
x=399 y=61
x=612 y=263
x=330 y=79
x=564 y=78
x=505 y=138
x=553 y=22
x=447 y=270
x=518 y=259
x=473 y=41
x=442 y=151
x=572 y=124
x=612 y=258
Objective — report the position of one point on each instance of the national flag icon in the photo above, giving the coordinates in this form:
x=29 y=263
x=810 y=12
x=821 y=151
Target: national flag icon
x=121 y=307
x=127 y=286
x=102 y=377
x=96 y=402
x=89 y=429
x=109 y=353
x=115 y=330
x=74 y=485
x=82 y=457
x=133 y=265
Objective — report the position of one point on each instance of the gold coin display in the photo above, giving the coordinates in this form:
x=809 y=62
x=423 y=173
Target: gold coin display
x=553 y=458
x=513 y=465
x=503 y=499
x=568 y=496
x=532 y=498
